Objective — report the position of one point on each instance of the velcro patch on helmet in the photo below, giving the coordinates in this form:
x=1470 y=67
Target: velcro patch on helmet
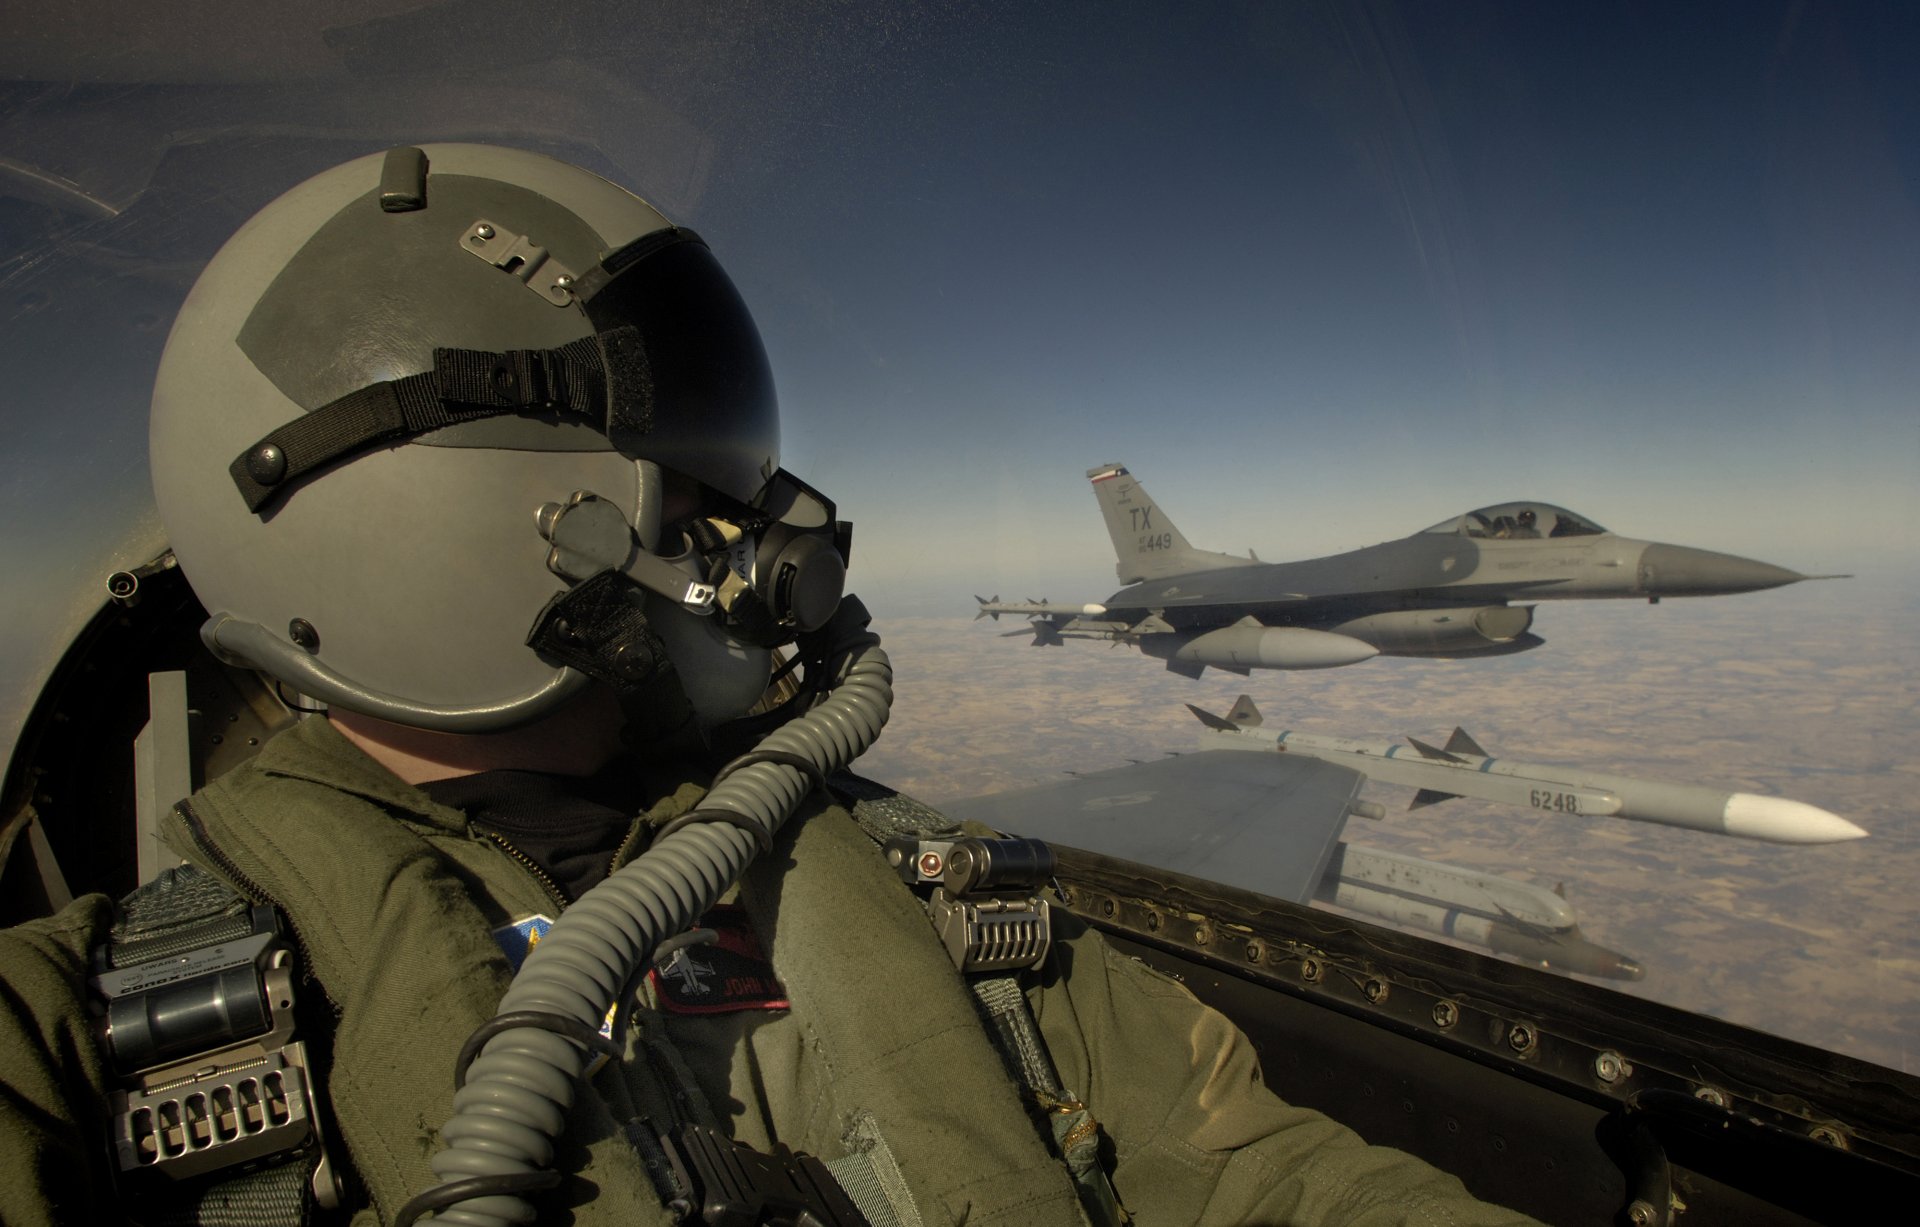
x=721 y=977
x=600 y=628
x=630 y=408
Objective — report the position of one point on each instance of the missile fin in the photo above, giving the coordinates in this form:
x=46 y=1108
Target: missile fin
x=1462 y=743
x=1430 y=796
x=1212 y=721
x=1427 y=751
x=1244 y=713
x=1185 y=668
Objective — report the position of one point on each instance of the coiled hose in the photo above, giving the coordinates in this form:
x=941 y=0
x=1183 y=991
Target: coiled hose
x=517 y=1092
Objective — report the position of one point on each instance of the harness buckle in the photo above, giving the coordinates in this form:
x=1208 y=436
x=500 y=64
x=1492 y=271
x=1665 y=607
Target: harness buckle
x=986 y=903
x=722 y=1183
x=214 y=1081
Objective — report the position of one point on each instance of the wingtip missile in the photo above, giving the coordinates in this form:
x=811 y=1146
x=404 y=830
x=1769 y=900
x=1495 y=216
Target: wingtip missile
x=1462 y=769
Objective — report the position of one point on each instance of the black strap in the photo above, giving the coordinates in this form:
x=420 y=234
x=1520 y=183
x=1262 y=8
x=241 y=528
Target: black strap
x=464 y=385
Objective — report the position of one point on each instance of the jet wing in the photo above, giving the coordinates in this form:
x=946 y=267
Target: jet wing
x=1262 y=822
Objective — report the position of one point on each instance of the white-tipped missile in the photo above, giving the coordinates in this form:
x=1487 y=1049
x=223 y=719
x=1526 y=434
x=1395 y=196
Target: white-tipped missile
x=993 y=607
x=1463 y=769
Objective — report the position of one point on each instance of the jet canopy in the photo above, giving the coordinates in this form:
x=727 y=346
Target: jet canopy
x=1519 y=520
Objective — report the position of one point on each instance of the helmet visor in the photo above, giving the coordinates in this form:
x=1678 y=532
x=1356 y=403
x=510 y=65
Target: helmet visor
x=688 y=382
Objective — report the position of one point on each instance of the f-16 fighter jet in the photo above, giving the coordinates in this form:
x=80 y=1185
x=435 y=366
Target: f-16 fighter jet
x=1444 y=592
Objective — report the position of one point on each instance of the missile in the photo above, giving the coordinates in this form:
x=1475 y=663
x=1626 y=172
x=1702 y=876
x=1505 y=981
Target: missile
x=1453 y=887
x=993 y=607
x=1505 y=916
x=1569 y=951
x=1462 y=769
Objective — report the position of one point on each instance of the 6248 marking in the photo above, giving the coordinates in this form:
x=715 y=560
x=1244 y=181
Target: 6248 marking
x=1558 y=802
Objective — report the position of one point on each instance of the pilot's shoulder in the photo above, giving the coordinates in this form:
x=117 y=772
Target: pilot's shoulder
x=884 y=812
x=56 y=946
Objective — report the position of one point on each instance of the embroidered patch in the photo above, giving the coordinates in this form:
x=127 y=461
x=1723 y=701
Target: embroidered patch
x=517 y=941
x=724 y=976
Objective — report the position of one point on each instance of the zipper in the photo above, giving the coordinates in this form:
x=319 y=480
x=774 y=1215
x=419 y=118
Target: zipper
x=626 y=845
x=237 y=878
x=553 y=888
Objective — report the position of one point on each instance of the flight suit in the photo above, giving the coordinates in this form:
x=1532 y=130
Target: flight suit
x=396 y=903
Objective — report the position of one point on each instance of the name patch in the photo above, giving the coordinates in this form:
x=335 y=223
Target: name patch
x=721 y=977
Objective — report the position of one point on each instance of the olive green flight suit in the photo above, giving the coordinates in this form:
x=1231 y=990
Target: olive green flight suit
x=395 y=901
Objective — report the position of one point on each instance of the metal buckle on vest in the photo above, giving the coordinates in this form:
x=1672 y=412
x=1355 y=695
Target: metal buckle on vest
x=987 y=905
x=215 y=1081
x=722 y=1183
x=997 y=933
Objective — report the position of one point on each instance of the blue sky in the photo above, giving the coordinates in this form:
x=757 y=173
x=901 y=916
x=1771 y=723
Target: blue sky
x=1336 y=272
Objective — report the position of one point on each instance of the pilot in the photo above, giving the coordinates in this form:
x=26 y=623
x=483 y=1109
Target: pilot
x=1526 y=524
x=477 y=454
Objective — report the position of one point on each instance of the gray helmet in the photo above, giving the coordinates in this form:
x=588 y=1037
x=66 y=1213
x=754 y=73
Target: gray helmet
x=416 y=425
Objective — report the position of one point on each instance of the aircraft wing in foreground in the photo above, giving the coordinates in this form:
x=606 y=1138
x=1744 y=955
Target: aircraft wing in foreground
x=1271 y=824
x=1447 y=591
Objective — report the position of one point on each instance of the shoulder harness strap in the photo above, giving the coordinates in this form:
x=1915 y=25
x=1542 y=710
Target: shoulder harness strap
x=232 y=1143
x=889 y=817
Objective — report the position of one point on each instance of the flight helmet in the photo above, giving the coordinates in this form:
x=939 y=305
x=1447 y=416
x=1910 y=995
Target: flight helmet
x=441 y=434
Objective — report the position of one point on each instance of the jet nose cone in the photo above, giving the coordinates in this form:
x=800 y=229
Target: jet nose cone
x=1677 y=570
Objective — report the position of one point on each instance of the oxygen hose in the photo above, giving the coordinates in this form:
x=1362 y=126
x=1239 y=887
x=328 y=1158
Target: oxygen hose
x=519 y=1088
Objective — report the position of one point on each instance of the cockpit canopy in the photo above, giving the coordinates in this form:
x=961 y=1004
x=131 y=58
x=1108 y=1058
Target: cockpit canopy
x=1519 y=520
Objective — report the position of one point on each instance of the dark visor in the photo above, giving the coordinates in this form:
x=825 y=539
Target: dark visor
x=674 y=371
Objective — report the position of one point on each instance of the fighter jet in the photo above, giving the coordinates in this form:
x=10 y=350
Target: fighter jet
x=1446 y=591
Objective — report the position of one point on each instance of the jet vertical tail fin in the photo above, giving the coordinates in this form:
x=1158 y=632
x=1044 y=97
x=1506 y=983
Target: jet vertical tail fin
x=1145 y=540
